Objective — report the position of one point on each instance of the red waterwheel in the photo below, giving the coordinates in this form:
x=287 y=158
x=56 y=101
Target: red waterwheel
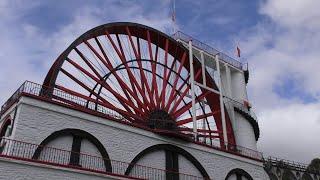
x=140 y=74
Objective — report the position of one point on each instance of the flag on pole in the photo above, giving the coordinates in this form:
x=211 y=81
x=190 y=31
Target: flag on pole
x=238 y=51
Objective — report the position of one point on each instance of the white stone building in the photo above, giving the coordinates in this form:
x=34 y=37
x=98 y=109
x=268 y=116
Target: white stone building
x=125 y=101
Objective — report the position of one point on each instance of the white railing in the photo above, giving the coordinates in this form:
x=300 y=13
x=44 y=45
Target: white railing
x=208 y=49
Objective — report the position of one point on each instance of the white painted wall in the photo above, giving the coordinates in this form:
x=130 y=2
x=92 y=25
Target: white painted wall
x=238 y=85
x=186 y=167
x=156 y=160
x=224 y=80
x=245 y=134
x=37 y=120
x=232 y=177
x=91 y=157
x=243 y=130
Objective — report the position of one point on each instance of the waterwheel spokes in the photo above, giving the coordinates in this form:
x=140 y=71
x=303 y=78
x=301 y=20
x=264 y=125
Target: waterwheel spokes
x=138 y=73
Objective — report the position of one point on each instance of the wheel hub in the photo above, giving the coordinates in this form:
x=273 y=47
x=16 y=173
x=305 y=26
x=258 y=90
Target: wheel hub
x=160 y=119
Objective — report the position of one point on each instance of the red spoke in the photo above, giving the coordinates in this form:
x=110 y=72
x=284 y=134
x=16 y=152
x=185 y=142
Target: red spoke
x=131 y=77
x=173 y=90
x=139 y=52
x=176 y=104
x=108 y=64
x=89 y=89
x=75 y=80
x=88 y=63
x=208 y=136
x=81 y=83
x=155 y=79
x=122 y=84
x=130 y=74
x=153 y=69
x=132 y=44
x=168 y=77
x=179 y=90
x=188 y=106
x=126 y=65
x=188 y=120
x=106 y=86
x=138 y=56
x=103 y=103
x=165 y=80
x=199 y=130
x=144 y=82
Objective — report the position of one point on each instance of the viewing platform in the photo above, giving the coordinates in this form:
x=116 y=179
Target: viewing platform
x=210 y=50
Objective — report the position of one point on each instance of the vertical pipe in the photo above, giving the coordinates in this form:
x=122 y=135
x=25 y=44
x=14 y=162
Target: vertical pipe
x=203 y=68
x=223 y=117
x=192 y=91
x=204 y=82
x=228 y=78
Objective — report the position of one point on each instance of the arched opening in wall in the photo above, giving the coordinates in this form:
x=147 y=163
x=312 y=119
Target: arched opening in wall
x=173 y=158
x=76 y=148
x=238 y=174
x=288 y=175
x=5 y=131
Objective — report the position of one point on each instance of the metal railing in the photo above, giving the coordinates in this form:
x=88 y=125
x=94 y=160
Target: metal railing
x=58 y=95
x=54 y=94
x=12 y=99
x=210 y=50
x=243 y=151
x=235 y=149
x=283 y=163
x=58 y=157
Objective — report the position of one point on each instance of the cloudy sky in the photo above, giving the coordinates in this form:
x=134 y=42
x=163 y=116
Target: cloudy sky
x=279 y=38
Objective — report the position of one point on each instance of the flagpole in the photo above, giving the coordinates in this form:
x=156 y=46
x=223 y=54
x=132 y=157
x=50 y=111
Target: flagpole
x=174 y=15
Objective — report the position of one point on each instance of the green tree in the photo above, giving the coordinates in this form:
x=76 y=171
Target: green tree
x=313 y=167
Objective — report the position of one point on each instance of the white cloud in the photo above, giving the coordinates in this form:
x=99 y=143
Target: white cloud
x=27 y=51
x=286 y=48
x=291 y=132
x=293 y=13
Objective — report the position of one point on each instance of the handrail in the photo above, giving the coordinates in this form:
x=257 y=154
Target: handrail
x=245 y=109
x=290 y=164
x=210 y=50
x=53 y=94
x=60 y=157
x=35 y=89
